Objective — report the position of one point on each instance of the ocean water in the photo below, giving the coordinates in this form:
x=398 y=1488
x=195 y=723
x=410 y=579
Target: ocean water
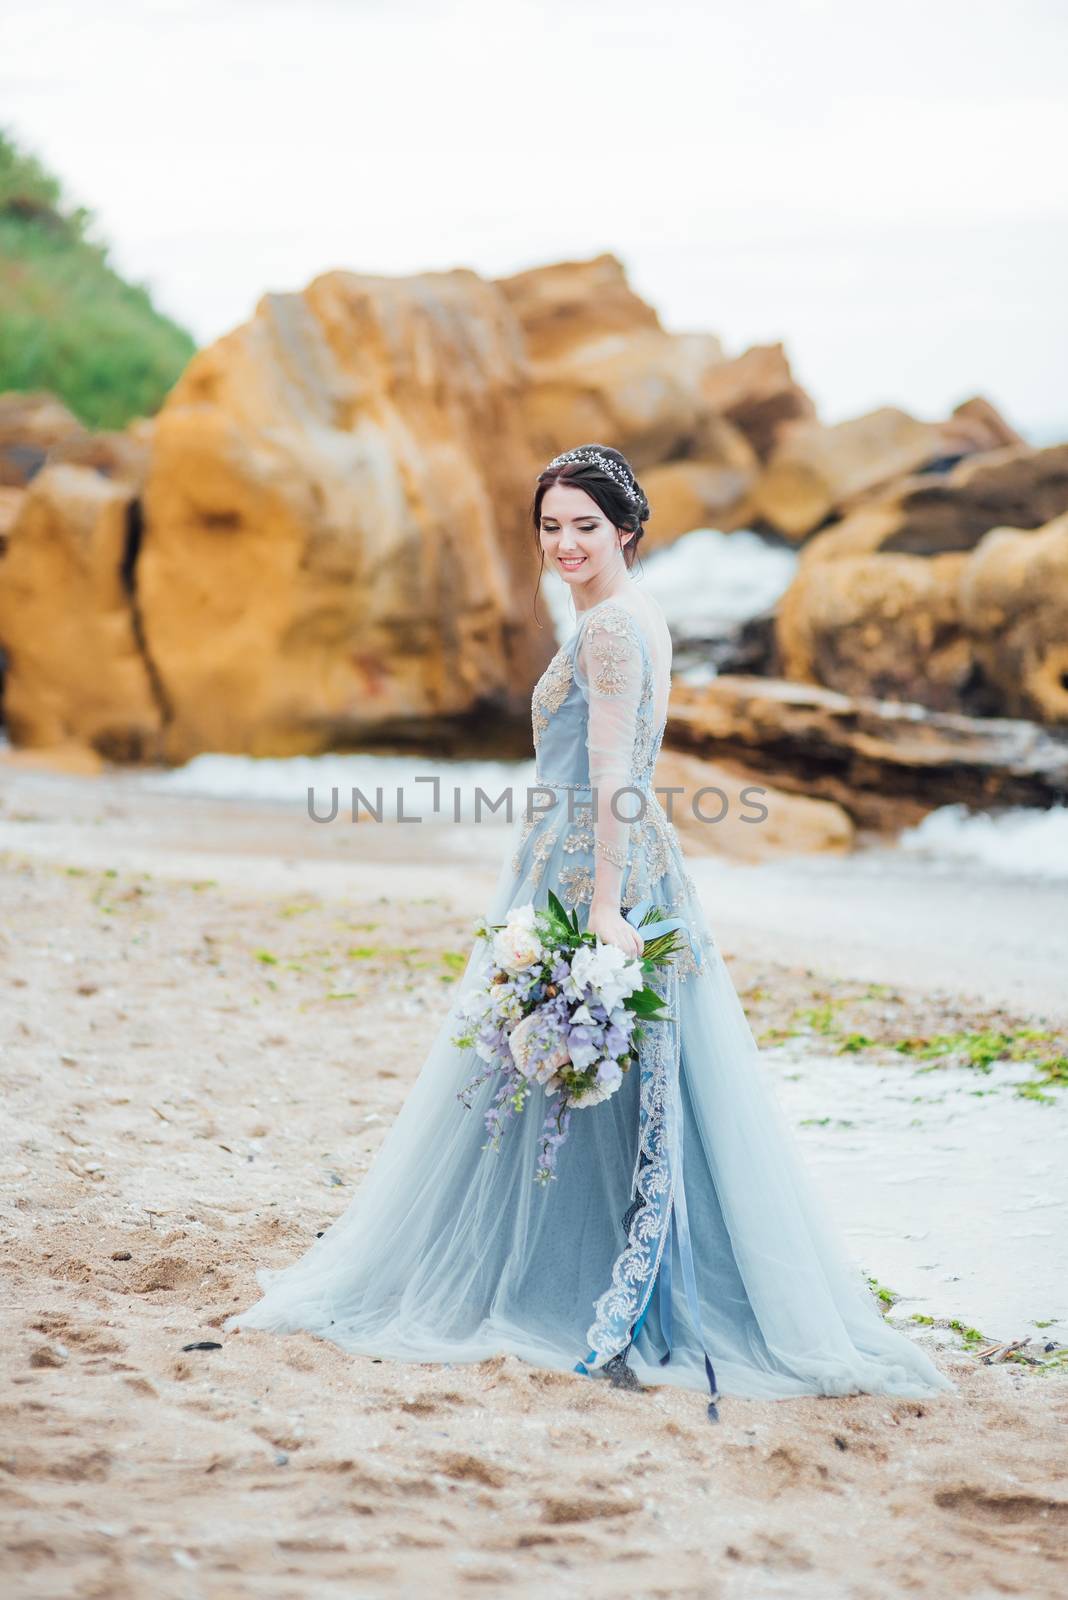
x=394 y=786
x=1018 y=841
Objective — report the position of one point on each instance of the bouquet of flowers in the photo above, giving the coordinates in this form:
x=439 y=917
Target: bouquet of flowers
x=560 y=1008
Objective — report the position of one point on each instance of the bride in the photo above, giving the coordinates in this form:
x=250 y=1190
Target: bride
x=680 y=1240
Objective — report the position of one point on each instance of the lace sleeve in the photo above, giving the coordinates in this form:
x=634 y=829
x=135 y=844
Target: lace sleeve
x=610 y=662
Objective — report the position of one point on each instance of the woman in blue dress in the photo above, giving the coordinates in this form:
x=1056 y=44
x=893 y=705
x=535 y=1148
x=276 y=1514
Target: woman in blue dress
x=681 y=1240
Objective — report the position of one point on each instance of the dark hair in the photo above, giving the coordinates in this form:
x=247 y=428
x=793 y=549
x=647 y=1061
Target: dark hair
x=621 y=511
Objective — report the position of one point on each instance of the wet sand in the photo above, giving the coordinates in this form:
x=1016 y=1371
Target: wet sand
x=208 y=1015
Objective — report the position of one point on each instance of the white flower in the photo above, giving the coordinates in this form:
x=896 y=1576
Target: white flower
x=517 y=945
x=608 y=971
x=508 y=1005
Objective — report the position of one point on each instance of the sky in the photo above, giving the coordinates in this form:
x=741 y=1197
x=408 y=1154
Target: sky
x=877 y=186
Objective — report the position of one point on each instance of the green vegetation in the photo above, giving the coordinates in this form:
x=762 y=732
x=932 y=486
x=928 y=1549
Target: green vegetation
x=68 y=322
x=979 y=1048
x=886 y=1297
x=1036 y=1047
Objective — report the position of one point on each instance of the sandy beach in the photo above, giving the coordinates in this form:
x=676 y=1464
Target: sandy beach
x=210 y=1013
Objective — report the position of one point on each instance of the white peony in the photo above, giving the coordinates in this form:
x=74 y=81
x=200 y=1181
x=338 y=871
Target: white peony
x=517 y=946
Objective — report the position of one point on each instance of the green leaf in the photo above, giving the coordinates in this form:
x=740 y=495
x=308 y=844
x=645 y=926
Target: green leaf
x=557 y=908
x=647 y=1003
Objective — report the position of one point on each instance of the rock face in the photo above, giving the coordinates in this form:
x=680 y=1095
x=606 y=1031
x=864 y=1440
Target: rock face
x=757 y=392
x=327 y=524
x=887 y=626
x=726 y=811
x=77 y=670
x=700 y=494
x=336 y=539
x=925 y=515
x=602 y=367
x=817 y=470
x=886 y=764
x=982 y=631
x=324 y=538
x=1014 y=608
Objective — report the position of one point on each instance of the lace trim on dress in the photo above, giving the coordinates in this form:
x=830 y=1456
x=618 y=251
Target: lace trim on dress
x=649 y=1215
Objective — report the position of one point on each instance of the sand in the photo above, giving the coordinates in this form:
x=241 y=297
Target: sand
x=204 y=1035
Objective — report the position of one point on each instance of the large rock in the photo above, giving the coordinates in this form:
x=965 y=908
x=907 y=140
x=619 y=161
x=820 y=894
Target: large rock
x=337 y=537
x=815 y=469
x=1014 y=605
x=885 y=762
x=77 y=671
x=887 y=626
x=684 y=495
x=572 y=306
x=967 y=625
x=977 y=425
x=725 y=810
x=603 y=367
x=927 y=514
x=758 y=393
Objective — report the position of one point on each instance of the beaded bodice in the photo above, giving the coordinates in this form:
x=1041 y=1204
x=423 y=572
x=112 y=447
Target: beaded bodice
x=560 y=702
x=596 y=730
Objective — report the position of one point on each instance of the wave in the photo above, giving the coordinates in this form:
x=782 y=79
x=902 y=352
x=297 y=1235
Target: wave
x=1019 y=840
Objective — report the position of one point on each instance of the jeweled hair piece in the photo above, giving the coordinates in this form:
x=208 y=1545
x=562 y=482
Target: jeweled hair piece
x=606 y=464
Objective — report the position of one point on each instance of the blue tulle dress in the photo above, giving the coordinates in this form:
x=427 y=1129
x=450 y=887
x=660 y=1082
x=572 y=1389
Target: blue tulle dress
x=681 y=1241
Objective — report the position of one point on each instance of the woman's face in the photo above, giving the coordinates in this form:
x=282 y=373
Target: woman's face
x=578 y=538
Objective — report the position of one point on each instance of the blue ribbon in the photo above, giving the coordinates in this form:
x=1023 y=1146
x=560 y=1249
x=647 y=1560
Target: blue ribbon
x=668 y=925
x=689 y=1278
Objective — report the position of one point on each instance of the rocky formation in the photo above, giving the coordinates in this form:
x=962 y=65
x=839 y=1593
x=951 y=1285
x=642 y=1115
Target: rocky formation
x=886 y=763
x=77 y=670
x=327 y=525
x=1014 y=611
x=817 y=473
x=332 y=538
x=756 y=391
x=602 y=367
x=323 y=538
x=725 y=810
x=1012 y=486
x=981 y=629
x=336 y=513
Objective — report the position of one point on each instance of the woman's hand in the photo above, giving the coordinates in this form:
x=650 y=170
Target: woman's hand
x=613 y=928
